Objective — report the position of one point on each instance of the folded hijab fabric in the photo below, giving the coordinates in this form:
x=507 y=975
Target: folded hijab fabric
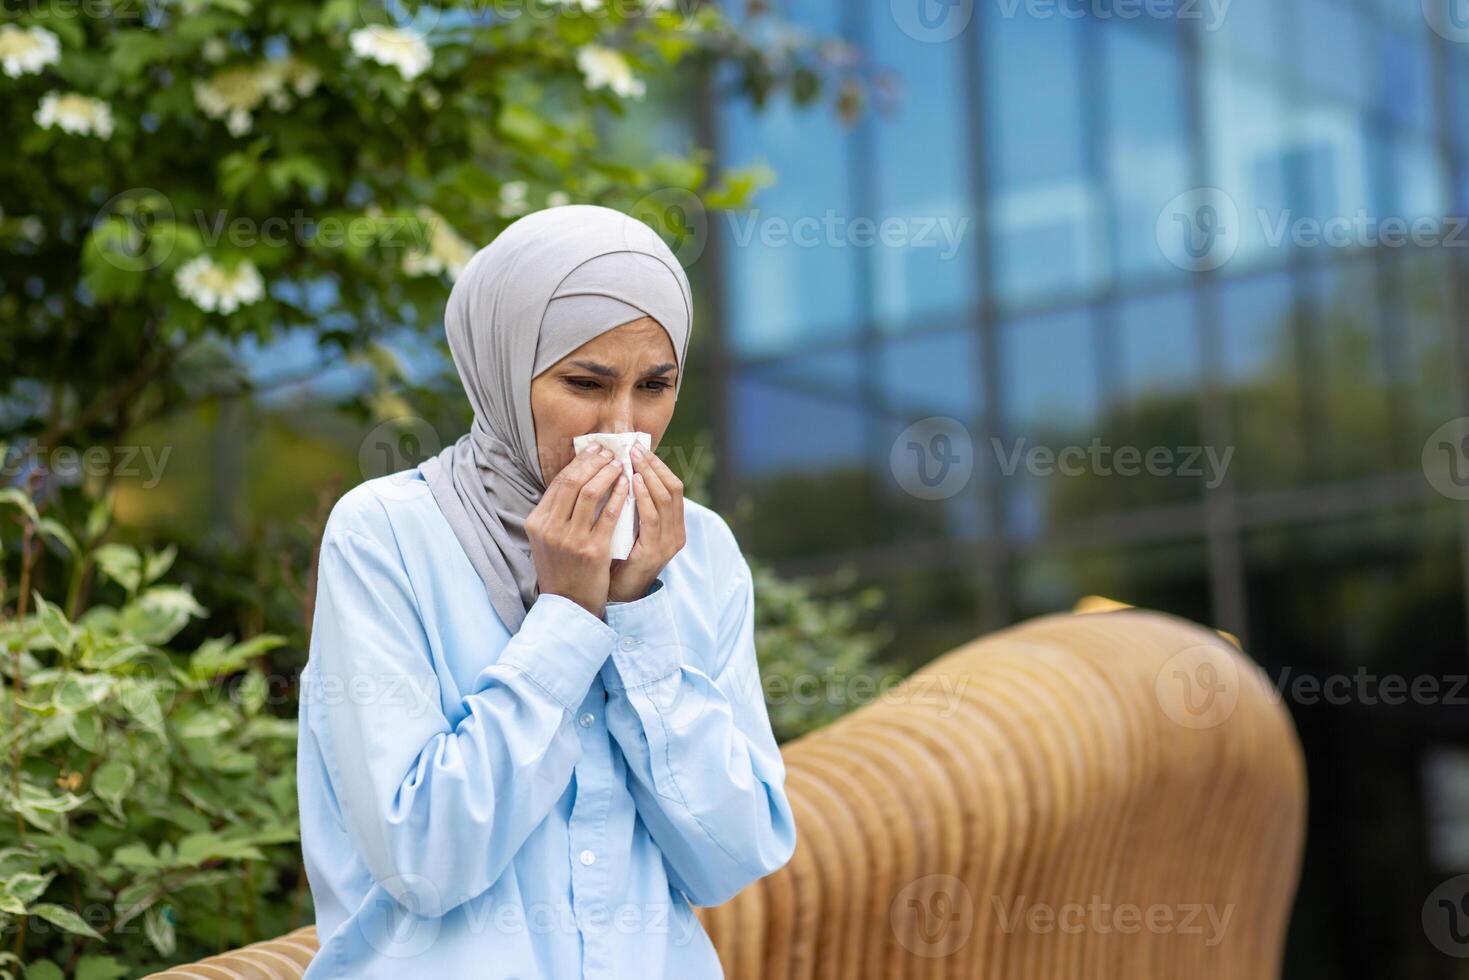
x=549 y=283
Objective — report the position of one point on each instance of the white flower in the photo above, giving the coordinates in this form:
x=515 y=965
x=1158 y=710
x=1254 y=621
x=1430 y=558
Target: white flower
x=604 y=67
x=74 y=113
x=512 y=198
x=235 y=93
x=25 y=51
x=215 y=289
x=215 y=50
x=557 y=199
x=447 y=252
x=402 y=48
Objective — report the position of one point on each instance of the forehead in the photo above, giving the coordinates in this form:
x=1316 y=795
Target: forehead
x=640 y=340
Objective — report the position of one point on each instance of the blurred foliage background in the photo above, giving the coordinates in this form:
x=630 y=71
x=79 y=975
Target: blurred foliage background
x=197 y=193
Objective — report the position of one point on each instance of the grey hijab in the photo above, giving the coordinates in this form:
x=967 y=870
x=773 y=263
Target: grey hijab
x=549 y=283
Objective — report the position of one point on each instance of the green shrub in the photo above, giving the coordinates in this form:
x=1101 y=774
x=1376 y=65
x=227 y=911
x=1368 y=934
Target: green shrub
x=146 y=802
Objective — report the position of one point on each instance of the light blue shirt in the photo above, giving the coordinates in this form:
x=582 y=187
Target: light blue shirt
x=548 y=804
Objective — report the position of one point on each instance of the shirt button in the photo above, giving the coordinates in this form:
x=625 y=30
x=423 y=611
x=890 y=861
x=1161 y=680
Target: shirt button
x=587 y=719
x=628 y=642
x=587 y=857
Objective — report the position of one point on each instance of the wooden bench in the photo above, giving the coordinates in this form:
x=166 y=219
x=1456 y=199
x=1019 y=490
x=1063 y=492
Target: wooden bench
x=1106 y=795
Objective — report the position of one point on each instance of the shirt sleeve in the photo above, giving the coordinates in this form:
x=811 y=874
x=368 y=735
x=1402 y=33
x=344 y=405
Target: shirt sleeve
x=707 y=775
x=438 y=810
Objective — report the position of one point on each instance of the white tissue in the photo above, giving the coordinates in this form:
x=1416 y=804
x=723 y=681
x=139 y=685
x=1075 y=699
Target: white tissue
x=625 y=533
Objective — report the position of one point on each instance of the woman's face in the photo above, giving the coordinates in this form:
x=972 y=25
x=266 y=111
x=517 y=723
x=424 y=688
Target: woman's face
x=620 y=381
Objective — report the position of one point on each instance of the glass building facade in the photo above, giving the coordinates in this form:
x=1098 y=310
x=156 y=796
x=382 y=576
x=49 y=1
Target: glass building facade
x=1222 y=234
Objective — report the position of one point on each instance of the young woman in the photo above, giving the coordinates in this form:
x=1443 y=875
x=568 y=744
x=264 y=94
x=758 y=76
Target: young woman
x=519 y=757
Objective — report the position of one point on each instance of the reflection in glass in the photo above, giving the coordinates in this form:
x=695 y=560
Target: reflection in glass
x=1048 y=381
x=1348 y=345
x=1045 y=214
x=1249 y=148
x=786 y=283
x=925 y=194
x=1262 y=379
x=1147 y=145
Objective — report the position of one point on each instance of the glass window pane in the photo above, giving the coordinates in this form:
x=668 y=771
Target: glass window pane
x=1404 y=88
x=1262 y=380
x=1048 y=375
x=1458 y=68
x=1347 y=339
x=800 y=413
x=798 y=433
x=1418 y=181
x=1149 y=449
x=1044 y=220
x=932 y=374
x=1147 y=151
x=1333 y=48
x=1249 y=150
x=1250 y=30
x=922 y=171
x=1328 y=148
x=1422 y=316
x=786 y=286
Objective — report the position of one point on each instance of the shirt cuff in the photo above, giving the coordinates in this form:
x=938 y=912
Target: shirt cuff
x=560 y=646
x=647 y=649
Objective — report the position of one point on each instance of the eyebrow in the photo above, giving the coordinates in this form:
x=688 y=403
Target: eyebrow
x=611 y=372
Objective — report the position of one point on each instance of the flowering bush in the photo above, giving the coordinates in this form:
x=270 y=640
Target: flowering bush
x=141 y=794
x=185 y=171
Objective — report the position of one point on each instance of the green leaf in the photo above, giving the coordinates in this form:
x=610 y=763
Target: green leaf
x=105 y=967
x=44 y=970
x=195 y=849
x=215 y=658
x=25 y=887
x=158 y=927
x=112 y=781
x=136 y=857
x=54 y=625
x=158 y=614
x=121 y=564
x=60 y=915
x=157 y=564
x=519 y=122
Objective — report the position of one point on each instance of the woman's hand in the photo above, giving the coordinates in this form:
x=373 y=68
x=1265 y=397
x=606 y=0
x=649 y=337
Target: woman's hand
x=570 y=545
x=659 y=496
